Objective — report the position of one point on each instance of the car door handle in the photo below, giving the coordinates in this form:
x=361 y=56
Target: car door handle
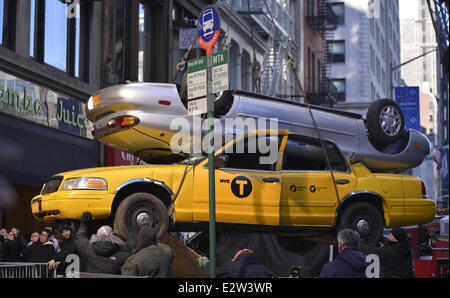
x=271 y=180
x=342 y=181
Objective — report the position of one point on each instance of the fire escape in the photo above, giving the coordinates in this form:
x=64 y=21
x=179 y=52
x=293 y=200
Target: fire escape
x=439 y=14
x=321 y=18
x=275 y=25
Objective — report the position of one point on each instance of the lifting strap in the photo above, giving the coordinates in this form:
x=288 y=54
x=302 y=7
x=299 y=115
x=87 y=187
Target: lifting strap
x=293 y=66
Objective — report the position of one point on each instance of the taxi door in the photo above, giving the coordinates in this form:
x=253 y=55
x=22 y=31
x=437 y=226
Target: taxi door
x=308 y=196
x=248 y=187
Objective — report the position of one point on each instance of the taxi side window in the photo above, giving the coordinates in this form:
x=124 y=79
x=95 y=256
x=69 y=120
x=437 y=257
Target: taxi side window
x=246 y=154
x=305 y=154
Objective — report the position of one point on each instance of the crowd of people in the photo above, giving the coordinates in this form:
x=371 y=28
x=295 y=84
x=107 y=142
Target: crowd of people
x=103 y=252
x=142 y=255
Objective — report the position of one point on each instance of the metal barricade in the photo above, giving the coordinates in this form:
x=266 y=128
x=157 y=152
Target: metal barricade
x=26 y=270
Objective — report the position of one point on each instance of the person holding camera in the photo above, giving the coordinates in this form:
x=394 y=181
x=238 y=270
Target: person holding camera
x=103 y=252
x=13 y=246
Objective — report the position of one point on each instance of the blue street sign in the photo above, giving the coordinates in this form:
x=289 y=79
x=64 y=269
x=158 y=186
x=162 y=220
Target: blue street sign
x=208 y=28
x=408 y=100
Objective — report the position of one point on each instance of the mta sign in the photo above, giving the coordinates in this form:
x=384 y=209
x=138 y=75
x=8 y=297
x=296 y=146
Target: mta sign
x=208 y=28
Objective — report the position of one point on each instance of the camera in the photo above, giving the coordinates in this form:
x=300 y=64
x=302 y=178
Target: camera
x=295 y=271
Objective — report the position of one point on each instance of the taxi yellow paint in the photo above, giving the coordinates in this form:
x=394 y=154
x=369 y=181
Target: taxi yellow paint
x=289 y=198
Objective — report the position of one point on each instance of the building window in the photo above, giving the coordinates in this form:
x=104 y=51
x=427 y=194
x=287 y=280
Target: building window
x=339 y=84
x=431 y=105
x=430 y=118
x=55 y=41
x=339 y=11
x=2 y=15
x=8 y=13
x=55 y=36
x=338 y=51
x=144 y=44
x=32 y=25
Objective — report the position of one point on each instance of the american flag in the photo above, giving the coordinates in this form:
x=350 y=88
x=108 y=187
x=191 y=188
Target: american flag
x=438 y=159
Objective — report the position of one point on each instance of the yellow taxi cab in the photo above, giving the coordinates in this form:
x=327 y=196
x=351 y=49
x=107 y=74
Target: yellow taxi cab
x=294 y=192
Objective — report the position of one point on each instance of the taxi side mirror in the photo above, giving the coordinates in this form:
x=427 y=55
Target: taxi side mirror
x=221 y=160
x=353 y=157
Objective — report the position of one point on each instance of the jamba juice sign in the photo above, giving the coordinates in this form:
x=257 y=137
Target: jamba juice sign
x=25 y=100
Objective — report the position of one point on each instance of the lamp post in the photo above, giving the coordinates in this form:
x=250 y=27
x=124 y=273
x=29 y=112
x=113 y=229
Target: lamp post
x=392 y=68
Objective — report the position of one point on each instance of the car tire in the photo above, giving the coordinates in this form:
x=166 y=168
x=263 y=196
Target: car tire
x=141 y=209
x=385 y=121
x=364 y=218
x=222 y=102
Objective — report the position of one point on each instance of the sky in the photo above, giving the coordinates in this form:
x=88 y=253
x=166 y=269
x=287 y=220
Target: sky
x=408 y=9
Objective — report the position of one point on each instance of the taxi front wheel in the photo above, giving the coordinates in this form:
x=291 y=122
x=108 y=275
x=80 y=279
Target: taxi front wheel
x=138 y=210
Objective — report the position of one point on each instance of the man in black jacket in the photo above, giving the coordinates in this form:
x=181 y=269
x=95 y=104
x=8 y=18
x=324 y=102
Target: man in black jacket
x=396 y=259
x=67 y=247
x=104 y=252
x=350 y=262
x=41 y=251
x=13 y=246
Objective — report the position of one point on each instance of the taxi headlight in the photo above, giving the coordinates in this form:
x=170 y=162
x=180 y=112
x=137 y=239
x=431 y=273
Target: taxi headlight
x=84 y=183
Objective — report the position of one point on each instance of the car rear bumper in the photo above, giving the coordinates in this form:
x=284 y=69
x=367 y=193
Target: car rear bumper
x=418 y=211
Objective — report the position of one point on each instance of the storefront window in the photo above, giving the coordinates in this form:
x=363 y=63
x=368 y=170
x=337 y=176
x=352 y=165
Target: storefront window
x=38 y=104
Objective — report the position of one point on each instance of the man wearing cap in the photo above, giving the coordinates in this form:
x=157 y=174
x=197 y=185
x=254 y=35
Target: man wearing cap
x=67 y=247
x=396 y=258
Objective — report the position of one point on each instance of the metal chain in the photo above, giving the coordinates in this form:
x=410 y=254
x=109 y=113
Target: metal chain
x=255 y=62
x=181 y=66
x=224 y=42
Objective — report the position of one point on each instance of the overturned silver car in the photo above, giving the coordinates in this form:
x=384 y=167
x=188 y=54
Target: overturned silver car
x=137 y=118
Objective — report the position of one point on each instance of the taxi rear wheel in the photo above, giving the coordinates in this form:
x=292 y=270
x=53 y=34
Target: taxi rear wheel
x=138 y=210
x=364 y=218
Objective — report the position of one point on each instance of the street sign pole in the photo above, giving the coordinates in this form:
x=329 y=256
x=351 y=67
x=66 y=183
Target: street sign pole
x=208 y=35
x=211 y=169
